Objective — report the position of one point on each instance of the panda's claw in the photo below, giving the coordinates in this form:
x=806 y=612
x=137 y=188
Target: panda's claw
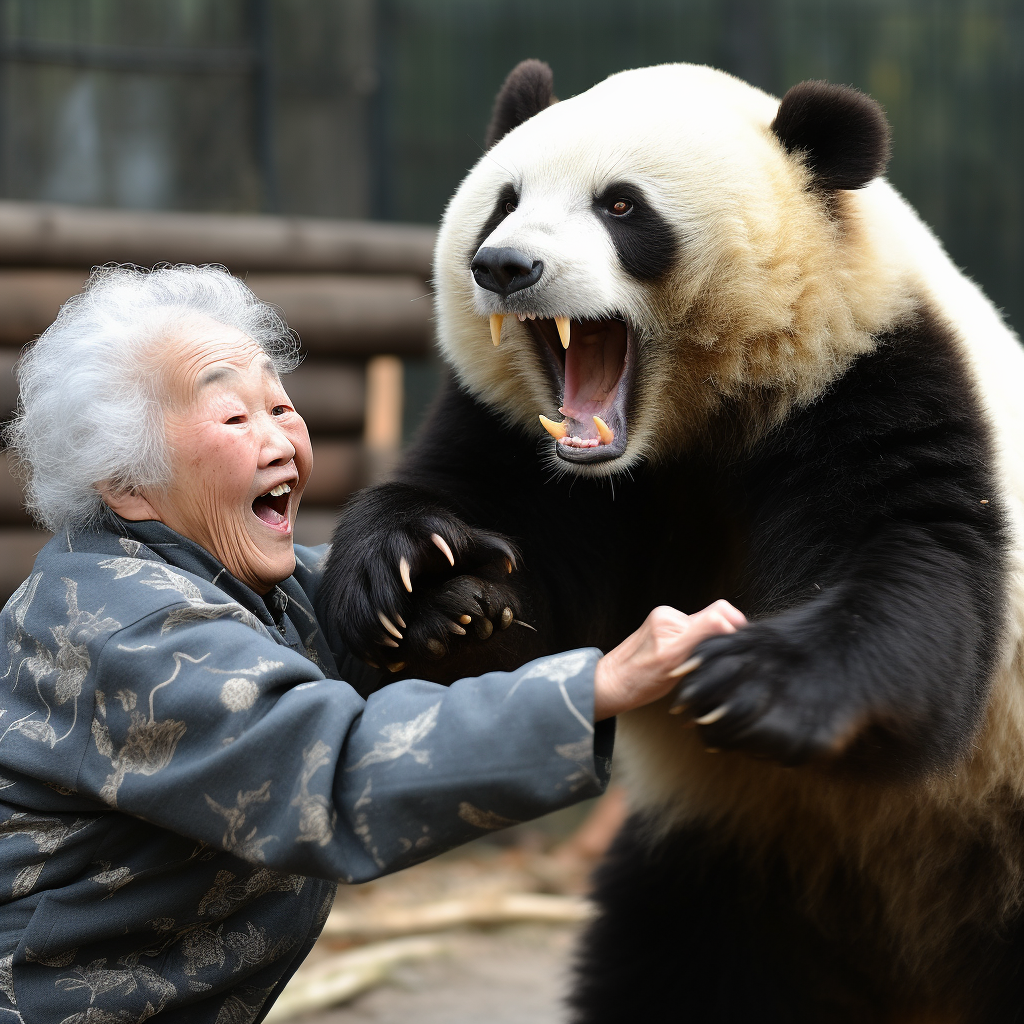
x=442 y=546
x=407 y=571
x=404 y=572
x=389 y=625
x=759 y=692
x=713 y=716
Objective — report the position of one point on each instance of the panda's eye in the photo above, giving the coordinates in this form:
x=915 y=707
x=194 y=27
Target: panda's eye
x=510 y=207
x=620 y=207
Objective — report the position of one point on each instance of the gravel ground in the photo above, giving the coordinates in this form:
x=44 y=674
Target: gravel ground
x=510 y=976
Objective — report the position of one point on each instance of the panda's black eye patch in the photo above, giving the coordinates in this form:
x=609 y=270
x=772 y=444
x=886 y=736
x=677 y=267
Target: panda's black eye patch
x=506 y=203
x=644 y=241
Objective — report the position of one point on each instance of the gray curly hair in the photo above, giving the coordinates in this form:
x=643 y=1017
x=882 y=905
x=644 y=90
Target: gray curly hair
x=90 y=410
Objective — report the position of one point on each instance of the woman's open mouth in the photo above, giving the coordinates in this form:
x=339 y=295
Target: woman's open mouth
x=272 y=508
x=591 y=362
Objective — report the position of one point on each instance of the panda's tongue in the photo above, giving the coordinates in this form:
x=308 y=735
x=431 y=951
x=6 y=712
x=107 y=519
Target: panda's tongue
x=594 y=362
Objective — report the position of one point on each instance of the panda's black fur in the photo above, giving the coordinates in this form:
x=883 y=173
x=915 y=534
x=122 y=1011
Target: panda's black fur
x=865 y=533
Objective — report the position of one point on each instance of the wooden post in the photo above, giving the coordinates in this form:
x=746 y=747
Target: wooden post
x=384 y=403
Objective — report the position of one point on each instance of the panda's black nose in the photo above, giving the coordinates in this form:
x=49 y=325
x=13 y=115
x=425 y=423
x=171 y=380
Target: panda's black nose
x=505 y=270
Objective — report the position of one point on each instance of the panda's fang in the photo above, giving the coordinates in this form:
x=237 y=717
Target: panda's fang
x=562 y=323
x=604 y=432
x=496 y=321
x=556 y=430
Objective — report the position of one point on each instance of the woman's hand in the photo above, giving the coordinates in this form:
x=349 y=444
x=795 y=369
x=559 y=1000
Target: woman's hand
x=649 y=663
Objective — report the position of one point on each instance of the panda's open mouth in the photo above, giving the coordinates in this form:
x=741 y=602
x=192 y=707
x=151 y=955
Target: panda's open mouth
x=591 y=364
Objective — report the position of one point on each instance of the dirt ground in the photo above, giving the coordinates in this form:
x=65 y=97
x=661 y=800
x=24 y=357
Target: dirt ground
x=508 y=976
x=512 y=974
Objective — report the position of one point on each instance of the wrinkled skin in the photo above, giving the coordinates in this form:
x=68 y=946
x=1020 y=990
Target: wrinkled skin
x=232 y=435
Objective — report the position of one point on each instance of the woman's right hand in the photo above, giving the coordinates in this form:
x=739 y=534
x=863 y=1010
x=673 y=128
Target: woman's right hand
x=649 y=663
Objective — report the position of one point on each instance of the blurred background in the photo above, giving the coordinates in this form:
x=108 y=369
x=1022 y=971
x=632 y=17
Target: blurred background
x=310 y=146
x=320 y=139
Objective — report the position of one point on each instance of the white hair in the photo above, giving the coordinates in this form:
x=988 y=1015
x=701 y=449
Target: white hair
x=90 y=410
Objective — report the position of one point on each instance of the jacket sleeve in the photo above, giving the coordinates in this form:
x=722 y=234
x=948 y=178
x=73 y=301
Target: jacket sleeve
x=214 y=731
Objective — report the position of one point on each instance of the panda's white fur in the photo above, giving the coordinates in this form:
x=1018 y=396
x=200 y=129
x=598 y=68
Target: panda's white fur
x=789 y=321
x=775 y=292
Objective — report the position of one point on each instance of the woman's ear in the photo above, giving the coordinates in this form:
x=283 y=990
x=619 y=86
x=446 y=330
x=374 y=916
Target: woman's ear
x=129 y=503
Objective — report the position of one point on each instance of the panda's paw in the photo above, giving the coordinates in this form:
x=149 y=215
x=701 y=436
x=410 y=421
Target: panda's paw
x=450 y=618
x=765 y=691
x=419 y=587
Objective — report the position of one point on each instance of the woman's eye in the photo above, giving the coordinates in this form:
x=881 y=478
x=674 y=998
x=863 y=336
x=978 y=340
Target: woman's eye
x=235 y=419
x=279 y=410
x=621 y=207
x=510 y=207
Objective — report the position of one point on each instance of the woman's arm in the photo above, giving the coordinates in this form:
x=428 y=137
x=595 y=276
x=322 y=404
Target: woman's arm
x=213 y=731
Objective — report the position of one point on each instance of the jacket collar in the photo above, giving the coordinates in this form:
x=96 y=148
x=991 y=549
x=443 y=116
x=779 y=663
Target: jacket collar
x=286 y=610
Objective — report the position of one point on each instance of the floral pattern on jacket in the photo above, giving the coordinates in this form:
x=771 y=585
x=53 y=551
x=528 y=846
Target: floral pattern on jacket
x=184 y=779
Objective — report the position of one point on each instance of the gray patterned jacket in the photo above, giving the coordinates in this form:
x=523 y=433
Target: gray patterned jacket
x=184 y=779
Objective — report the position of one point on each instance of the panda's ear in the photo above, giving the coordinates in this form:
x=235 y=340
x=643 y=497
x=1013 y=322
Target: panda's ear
x=842 y=133
x=528 y=90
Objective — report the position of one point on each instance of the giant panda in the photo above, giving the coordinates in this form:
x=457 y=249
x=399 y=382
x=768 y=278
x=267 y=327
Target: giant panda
x=700 y=348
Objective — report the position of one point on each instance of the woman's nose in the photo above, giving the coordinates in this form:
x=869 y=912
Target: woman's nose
x=277 y=446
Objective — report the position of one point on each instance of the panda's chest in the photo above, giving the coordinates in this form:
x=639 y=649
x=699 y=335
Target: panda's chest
x=675 y=537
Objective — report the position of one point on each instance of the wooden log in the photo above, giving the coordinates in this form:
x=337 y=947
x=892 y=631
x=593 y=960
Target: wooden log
x=333 y=314
x=339 y=468
x=12 y=507
x=481 y=910
x=71 y=236
x=18 y=550
x=8 y=383
x=344 y=975
x=31 y=299
x=330 y=397
x=351 y=315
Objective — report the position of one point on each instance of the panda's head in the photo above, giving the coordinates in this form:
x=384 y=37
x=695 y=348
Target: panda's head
x=619 y=266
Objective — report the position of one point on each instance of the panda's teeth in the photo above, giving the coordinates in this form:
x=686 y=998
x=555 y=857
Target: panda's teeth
x=532 y=316
x=522 y=317
x=562 y=323
x=556 y=430
x=496 y=321
x=604 y=432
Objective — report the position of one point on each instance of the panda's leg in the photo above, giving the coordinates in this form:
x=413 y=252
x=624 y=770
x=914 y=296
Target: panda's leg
x=687 y=931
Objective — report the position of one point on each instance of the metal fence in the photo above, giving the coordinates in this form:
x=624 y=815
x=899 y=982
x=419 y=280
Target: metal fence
x=950 y=74
x=224 y=105
x=377 y=107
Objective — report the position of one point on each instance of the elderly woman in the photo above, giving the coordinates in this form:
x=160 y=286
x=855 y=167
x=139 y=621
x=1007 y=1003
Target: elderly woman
x=185 y=776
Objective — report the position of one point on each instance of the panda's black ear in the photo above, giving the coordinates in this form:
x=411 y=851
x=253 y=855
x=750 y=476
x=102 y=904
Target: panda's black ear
x=843 y=133
x=528 y=89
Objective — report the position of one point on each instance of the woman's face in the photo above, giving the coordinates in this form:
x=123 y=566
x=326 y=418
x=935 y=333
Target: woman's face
x=240 y=453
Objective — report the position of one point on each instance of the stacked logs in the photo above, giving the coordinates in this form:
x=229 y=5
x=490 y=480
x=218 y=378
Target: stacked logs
x=356 y=294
